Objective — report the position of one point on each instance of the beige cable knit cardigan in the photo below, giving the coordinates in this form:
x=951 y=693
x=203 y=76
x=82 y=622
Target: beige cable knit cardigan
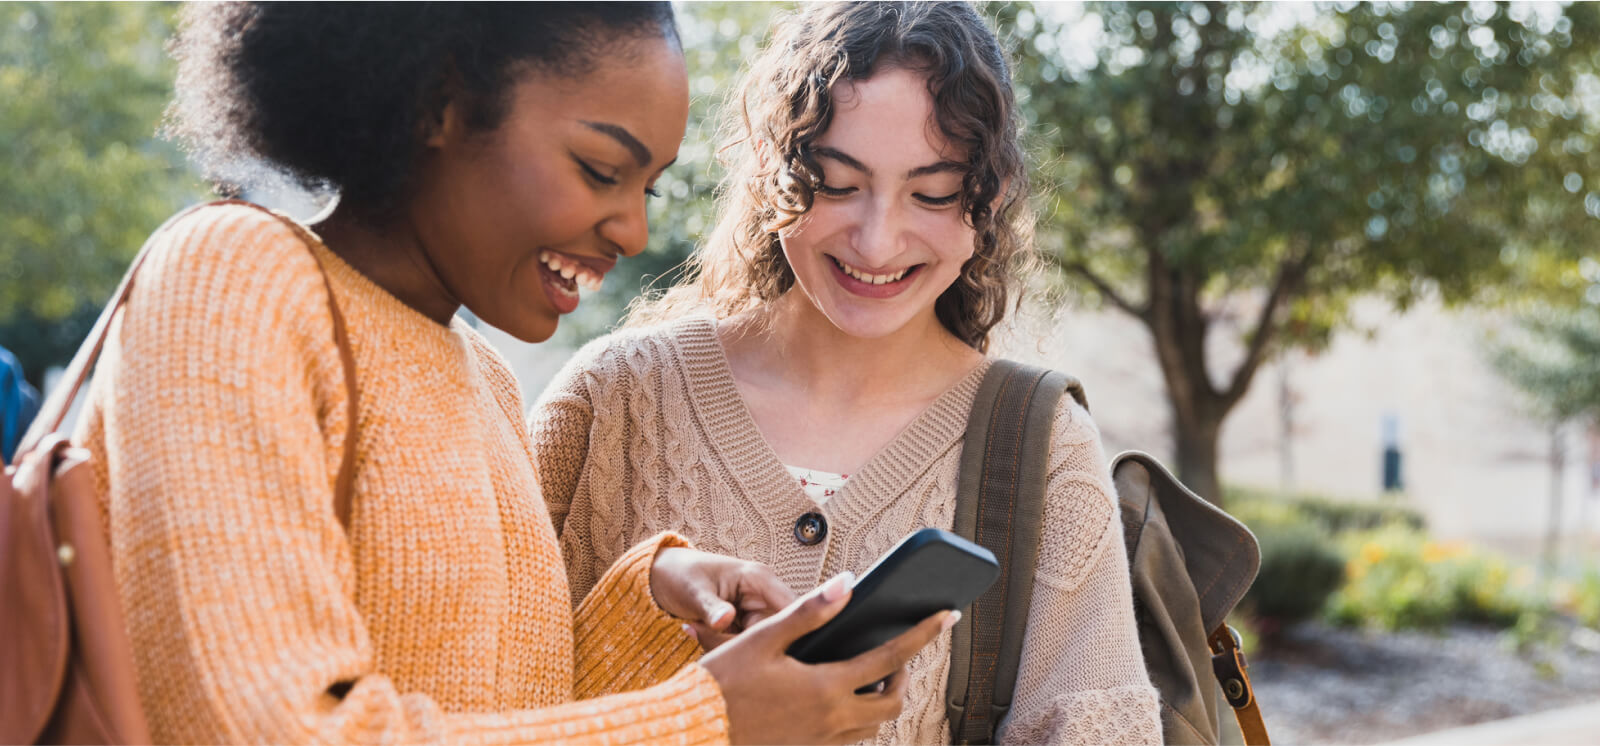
x=645 y=431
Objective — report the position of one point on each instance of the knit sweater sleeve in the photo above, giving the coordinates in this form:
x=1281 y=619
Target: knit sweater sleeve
x=1082 y=678
x=559 y=424
x=221 y=426
x=625 y=641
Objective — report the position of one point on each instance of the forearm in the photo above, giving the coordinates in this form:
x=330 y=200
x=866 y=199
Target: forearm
x=624 y=640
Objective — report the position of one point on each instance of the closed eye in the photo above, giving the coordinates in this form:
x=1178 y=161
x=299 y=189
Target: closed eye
x=949 y=199
x=829 y=191
x=594 y=173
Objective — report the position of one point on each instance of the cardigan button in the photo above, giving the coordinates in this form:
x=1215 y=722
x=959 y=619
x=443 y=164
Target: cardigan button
x=811 y=529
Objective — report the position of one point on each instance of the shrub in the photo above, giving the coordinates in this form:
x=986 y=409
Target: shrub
x=1398 y=578
x=1343 y=517
x=1300 y=568
x=1300 y=565
x=1333 y=516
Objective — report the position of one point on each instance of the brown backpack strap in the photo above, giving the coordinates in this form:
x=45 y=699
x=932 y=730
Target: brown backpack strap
x=1227 y=662
x=56 y=405
x=1000 y=506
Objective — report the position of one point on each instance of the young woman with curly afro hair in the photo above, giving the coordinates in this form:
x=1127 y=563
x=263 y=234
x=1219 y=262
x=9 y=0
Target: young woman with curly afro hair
x=493 y=157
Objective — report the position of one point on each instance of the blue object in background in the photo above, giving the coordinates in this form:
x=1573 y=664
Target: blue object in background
x=18 y=404
x=1392 y=481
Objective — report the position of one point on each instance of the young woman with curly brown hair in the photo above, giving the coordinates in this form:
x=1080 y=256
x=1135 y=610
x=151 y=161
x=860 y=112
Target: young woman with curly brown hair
x=802 y=400
x=487 y=156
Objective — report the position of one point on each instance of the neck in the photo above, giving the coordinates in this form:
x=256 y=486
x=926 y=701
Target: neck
x=790 y=345
x=394 y=257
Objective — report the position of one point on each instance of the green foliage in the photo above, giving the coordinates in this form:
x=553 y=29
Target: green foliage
x=1581 y=598
x=1226 y=140
x=1300 y=565
x=1553 y=357
x=1333 y=516
x=1203 y=159
x=1300 y=568
x=1401 y=579
x=86 y=180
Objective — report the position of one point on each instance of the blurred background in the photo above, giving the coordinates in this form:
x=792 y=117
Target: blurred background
x=1336 y=263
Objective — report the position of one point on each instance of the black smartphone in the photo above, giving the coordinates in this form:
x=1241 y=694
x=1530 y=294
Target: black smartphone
x=929 y=571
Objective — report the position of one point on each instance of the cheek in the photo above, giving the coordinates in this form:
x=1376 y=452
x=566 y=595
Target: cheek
x=952 y=240
x=547 y=210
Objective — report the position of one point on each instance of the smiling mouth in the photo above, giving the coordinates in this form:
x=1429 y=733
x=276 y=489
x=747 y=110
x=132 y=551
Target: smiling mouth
x=874 y=279
x=569 y=274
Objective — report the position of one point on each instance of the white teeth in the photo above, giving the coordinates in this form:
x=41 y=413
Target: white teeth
x=582 y=276
x=871 y=279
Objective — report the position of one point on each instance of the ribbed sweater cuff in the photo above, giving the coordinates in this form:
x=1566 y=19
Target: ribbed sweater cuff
x=624 y=640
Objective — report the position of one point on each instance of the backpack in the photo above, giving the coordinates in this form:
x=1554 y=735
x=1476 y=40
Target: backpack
x=1190 y=564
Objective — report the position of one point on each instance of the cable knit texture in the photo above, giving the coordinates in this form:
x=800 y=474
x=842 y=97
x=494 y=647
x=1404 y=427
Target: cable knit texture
x=645 y=431
x=218 y=418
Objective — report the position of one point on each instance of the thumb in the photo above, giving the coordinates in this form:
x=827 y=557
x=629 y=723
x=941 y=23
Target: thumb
x=807 y=613
x=714 y=612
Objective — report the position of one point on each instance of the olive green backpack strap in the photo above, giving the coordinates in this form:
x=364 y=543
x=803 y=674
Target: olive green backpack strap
x=1000 y=506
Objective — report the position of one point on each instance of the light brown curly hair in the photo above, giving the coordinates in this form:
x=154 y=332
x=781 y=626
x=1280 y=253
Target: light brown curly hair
x=785 y=103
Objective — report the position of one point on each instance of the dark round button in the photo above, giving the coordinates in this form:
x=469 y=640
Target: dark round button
x=811 y=528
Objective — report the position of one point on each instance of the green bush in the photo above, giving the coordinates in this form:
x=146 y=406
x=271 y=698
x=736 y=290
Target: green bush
x=1580 y=597
x=1333 y=516
x=1398 y=578
x=1300 y=564
x=1300 y=568
x=1344 y=517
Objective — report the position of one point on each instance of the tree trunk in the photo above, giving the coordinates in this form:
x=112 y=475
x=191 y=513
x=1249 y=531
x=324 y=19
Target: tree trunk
x=1552 y=537
x=1197 y=454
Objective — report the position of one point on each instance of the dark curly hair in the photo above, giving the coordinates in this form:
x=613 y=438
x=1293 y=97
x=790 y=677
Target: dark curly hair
x=786 y=102
x=338 y=95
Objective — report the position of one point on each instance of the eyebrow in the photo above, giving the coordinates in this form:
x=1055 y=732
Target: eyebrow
x=932 y=168
x=623 y=136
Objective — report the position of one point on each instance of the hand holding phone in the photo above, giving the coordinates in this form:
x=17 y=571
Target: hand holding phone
x=929 y=571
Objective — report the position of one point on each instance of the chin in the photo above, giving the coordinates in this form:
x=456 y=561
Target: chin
x=867 y=324
x=533 y=328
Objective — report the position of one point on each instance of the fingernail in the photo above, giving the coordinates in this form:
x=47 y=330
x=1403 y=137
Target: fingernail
x=718 y=613
x=836 y=587
x=689 y=630
x=950 y=620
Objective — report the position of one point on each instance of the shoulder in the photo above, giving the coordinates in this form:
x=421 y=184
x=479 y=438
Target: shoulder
x=638 y=353
x=232 y=238
x=232 y=261
x=1074 y=431
x=1080 y=498
x=494 y=367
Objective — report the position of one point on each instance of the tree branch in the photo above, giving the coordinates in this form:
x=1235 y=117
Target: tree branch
x=1290 y=272
x=1101 y=285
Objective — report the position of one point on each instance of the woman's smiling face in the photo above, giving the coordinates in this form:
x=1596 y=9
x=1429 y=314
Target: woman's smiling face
x=518 y=221
x=886 y=234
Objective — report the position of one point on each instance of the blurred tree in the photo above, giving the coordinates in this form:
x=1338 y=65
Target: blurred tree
x=1553 y=356
x=85 y=180
x=1254 y=167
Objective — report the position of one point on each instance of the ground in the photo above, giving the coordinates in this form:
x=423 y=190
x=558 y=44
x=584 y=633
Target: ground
x=1321 y=684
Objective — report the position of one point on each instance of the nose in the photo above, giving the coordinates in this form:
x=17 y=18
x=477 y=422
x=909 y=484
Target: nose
x=878 y=236
x=628 y=228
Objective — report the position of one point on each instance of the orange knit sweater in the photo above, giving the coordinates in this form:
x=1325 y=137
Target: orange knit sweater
x=217 y=419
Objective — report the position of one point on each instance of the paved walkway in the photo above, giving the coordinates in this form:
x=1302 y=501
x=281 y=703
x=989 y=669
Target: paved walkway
x=1579 y=724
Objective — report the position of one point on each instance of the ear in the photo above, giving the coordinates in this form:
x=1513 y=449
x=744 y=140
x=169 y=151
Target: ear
x=447 y=125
